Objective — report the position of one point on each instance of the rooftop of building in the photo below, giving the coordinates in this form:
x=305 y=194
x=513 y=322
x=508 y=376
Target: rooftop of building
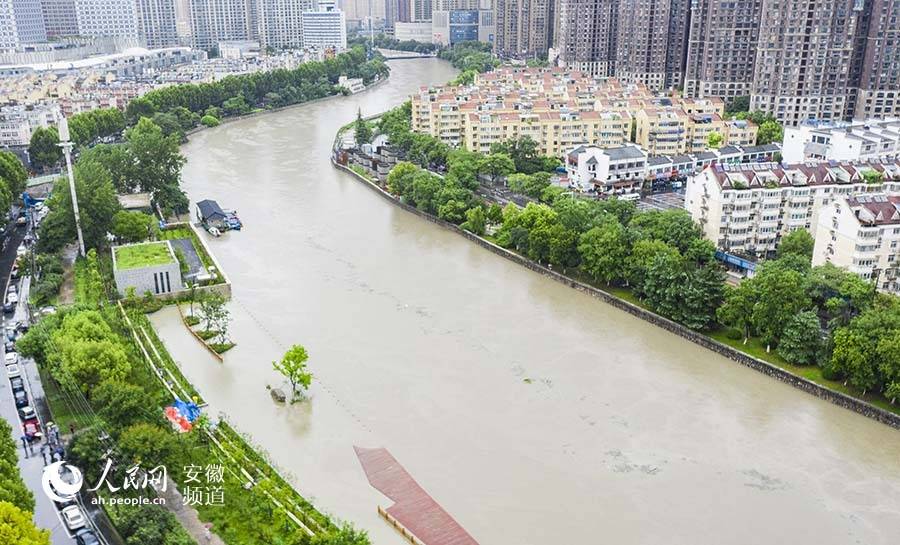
x=777 y=175
x=138 y=256
x=876 y=209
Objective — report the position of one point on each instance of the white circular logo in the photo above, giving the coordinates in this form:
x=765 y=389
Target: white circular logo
x=55 y=487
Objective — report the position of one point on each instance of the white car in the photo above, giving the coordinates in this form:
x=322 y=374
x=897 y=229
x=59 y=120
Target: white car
x=12 y=289
x=13 y=371
x=11 y=358
x=21 y=250
x=73 y=517
x=12 y=298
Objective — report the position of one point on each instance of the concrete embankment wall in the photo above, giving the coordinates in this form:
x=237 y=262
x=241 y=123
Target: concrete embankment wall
x=843 y=400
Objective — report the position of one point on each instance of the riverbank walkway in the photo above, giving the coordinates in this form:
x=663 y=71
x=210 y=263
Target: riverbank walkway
x=413 y=508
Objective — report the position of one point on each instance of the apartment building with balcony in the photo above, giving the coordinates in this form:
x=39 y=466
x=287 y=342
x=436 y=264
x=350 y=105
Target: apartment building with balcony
x=747 y=208
x=862 y=235
x=560 y=110
x=870 y=140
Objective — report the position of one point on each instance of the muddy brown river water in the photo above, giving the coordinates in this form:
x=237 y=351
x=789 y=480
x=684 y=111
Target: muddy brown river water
x=534 y=414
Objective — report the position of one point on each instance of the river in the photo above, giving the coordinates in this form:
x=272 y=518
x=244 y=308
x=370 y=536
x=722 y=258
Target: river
x=533 y=413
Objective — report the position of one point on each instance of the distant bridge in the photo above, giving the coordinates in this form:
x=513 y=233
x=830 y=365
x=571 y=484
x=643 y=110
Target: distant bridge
x=394 y=55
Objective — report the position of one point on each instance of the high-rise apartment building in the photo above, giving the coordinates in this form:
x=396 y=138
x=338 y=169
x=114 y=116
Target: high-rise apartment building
x=875 y=68
x=420 y=10
x=281 y=22
x=157 y=21
x=59 y=17
x=721 y=49
x=650 y=41
x=213 y=21
x=802 y=68
x=586 y=35
x=325 y=29
x=524 y=28
x=21 y=22
x=107 y=18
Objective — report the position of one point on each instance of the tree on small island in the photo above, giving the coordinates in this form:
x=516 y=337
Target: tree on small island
x=293 y=367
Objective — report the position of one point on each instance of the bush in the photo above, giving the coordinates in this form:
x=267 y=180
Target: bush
x=209 y=121
x=734 y=334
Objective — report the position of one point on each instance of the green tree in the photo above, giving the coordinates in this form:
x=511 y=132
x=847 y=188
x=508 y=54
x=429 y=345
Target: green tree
x=236 y=105
x=801 y=339
x=400 y=178
x=133 y=226
x=212 y=307
x=603 y=251
x=17 y=527
x=798 y=242
x=209 y=121
x=674 y=227
x=425 y=187
x=496 y=165
x=293 y=367
x=642 y=255
x=362 y=130
x=138 y=108
x=782 y=295
x=44 y=148
x=13 y=172
x=715 y=140
x=737 y=309
x=738 y=104
x=769 y=131
x=463 y=167
x=345 y=535
x=147 y=444
x=156 y=163
x=851 y=357
x=475 y=220
x=122 y=404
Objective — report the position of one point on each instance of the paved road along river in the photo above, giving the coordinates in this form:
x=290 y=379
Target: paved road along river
x=531 y=412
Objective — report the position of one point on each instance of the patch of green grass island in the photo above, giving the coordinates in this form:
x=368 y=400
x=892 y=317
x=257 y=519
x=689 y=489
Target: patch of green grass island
x=137 y=256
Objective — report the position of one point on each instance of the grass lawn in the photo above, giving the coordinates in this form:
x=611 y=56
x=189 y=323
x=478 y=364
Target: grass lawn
x=142 y=255
x=59 y=408
x=812 y=373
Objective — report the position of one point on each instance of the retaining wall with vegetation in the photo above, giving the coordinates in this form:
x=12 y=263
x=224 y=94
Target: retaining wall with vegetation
x=838 y=398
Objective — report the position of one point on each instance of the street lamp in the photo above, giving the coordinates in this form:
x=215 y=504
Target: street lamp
x=67 y=146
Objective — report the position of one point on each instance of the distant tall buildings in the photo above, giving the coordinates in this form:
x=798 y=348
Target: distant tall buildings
x=876 y=85
x=650 y=41
x=156 y=23
x=21 y=22
x=213 y=21
x=721 y=48
x=280 y=22
x=586 y=35
x=117 y=18
x=59 y=17
x=325 y=29
x=802 y=68
x=524 y=28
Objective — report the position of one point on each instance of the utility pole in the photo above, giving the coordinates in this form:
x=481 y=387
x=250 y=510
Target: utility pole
x=66 y=144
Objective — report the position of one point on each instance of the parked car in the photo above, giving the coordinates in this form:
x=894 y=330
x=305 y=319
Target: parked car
x=86 y=537
x=27 y=413
x=9 y=308
x=21 y=398
x=17 y=384
x=21 y=250
x=11 y=358
x=13 y=370
x=32 y=430
x=9 y=346
x=22 y=221
x=12 y=288
x=46 y=311
x=15 y=273
x=73 y=517
x=12 y=298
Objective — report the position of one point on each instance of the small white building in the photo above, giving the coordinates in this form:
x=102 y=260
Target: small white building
x=238 y=49
x=610 y=171
x=870 y=140
x=862 y=235
x=146 y=267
